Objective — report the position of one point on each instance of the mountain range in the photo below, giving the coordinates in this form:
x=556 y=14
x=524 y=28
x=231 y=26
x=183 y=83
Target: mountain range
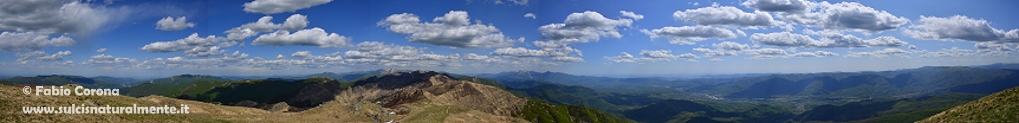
x=905 y=95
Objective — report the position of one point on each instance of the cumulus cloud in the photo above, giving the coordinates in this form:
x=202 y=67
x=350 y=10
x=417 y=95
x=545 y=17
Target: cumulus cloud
x=308 y=37
x=56 y=16
x=521 y=52
x=280 y=6
x=295 y=22
x=959 y=28
x=845 y=15
x=530 y=15
x=650 y=56
x=786 y=6
x=723 y=49
x=204 y=51
x=109 y=60
x=582 y=28
x=828 y=40
x=688 y=35
x=568 y=59
x=728 y=48
x=15 y=41
x=767 y=51
x=55 y=56
x=453 y=29
x=912 y=47
x=170 y=24
x=378 y=53
x=301 y=54
x=725 y=16
x=994 y=48
x=945 y=52
x=517 y=2
x=814 y=54
x=556 y=52
x=630 y=14
x=101 y=50
x=188 y=43
x=879 y=53
x=24 y=58
x=264 y=24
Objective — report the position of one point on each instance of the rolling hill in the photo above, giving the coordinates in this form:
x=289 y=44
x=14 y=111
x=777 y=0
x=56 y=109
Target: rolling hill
x=399 y=96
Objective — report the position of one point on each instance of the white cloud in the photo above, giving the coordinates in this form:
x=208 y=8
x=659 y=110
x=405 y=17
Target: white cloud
x=452 y=29
x=952 y=52
x=56 y=16
x=204 y=51
x=814 y=54
x=279 y=56
x=731 y=46
x=688 y=35
x=101 y=50
x=295 y=22
x=280 y=6
x=725 y=16
x=264 y=24
x=520 y=52
x=994 y=48
x=473 y=56
x=879 y=53
x=308 y=37
x=55 y=56
x=556 y=52
x=630 y=14
x=378 y=53
x=188 y=43
x=15 y=41
x=622 y=58
x=847 y=15
x=517 y=2
x=301 y=54
x=767 y=51
x=568 y=59
x=107 y=59
x=728 y=48
x=959 y=28
x=828 y=40
x=23 y=58
x=170 y=24
x=912 y=47
x=530 y=15
x=786 y=6
x=650 y=56
x=582 y=28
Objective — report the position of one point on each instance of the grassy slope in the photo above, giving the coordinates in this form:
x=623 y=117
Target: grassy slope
x=543 y=112
x=998 y=107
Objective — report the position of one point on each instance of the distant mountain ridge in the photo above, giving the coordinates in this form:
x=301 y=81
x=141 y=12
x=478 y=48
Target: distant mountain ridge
x=94 y=82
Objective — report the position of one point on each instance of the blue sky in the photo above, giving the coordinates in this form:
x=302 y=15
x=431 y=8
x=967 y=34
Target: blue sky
x=601 y=37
